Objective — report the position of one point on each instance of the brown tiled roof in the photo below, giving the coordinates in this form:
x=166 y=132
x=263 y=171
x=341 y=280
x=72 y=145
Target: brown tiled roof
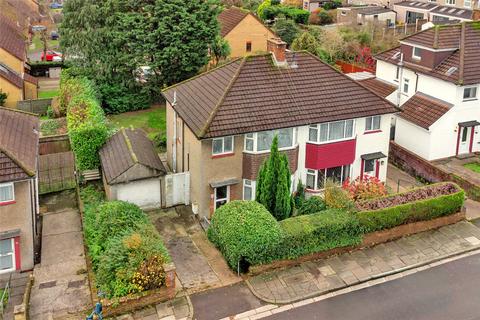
x=381 y=88
x=11 y=76
x=447 y=34
x=230 y=18
x=29 y=78
x=252 y=94
x=11 y=41
x=18 y=144
x=448 y=37
x=424 y=110
x=124 y=150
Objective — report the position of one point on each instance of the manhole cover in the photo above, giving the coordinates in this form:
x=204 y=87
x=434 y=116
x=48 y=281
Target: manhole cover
x=75 y=284
x=49 y=284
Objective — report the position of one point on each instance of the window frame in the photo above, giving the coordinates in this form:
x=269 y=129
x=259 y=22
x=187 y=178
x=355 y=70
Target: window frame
x=406 y=82
x=450 y=2
x=223 y=152
x=414 y=55
x=318 y=127
x=372 y=129
x=13 y=256
x=470 y=98
x=397 y=74
x=248 y=46
x=254 y=136
x=252 y=188
x=12 y=185
x=465 y=4
x=315 y=174
x=215 y=199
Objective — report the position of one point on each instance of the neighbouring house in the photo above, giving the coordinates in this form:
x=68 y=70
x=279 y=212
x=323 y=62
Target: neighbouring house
x=132 y=170
x=244 y=31
x=366 y=14
x=411 y=11
x=312 y=5
x=328 y=125
x=19 y=136
x=437 y=73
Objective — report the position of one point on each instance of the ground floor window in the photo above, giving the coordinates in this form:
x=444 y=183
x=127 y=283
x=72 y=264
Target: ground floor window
x=316 y=179
x=369 y=167
x=7 y=255
x=248 y=189
x=6 y=192
x=222 y=196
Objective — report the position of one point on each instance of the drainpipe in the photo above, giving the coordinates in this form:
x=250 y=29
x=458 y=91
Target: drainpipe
x=416 y=82
x=400 y=80
x=174 y=153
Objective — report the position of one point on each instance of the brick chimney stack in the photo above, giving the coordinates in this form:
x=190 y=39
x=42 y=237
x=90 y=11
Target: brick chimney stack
x=278 y=48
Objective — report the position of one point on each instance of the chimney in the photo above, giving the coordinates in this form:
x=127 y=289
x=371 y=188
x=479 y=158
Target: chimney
x=277 y=47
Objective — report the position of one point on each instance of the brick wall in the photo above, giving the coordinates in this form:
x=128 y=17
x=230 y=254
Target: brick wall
x=252 y=162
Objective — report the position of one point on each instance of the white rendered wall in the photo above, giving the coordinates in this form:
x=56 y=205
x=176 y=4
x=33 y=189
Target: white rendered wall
x=144 y=193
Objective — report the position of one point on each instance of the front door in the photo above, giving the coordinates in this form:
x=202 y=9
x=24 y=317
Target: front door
x=222 y=196
x=464 y=144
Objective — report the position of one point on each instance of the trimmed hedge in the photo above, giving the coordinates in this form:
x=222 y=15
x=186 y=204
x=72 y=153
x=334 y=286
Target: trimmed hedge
x=298 y=15
x=420 y=210
x=86 y=121
x=323 y=231
x=245 y=232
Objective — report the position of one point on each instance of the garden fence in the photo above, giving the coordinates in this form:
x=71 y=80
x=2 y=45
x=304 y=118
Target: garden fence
x=37 y=106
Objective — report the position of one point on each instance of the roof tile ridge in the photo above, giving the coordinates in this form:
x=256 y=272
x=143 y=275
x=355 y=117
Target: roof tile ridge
x=434 y=99
x=129 y=145
x=201 y=74
x=222 y=99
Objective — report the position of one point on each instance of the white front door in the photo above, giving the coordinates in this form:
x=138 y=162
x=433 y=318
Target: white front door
x=465 y=135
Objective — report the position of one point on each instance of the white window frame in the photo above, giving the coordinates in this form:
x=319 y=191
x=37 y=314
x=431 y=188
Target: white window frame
x=254 y=136
x=14 y=267
x=314 y=172
x=397 y=74
x=406 y=83
x=317 y=127
x=374 y=168
x=251 y=186
x=450 y=2
x=215 y=200
x=370 y=119
x=469 y=3
x=470 y=98
x=223 y=146
x=8 y=184
x=415 y=56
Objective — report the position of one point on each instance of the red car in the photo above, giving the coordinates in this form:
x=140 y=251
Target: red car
x=51 y=56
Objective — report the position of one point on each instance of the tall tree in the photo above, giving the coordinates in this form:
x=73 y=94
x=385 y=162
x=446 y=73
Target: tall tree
x=112 y=39
x=286 y=29
x=220 y=49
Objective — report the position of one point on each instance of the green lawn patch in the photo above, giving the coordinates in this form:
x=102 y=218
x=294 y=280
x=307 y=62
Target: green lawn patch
x=152 y=120
x=48 y=94
x=474 y=166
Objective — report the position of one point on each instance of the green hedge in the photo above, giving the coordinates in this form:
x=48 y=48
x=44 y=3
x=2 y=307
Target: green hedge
x=86 y=121
x=420 y=210
x=245 y=232
x=312 y=205
x=298 y=15
x=318 y=232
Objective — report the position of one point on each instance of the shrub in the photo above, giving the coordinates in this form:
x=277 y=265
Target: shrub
x=3 y=97
x=312 y=205
x=366 y=188
x=421 y=204
x=297 y=15
x=49 y=127
x=318 y=232
x=245 y=232
x=299 y=196
x=337 y=198
x=160 y=140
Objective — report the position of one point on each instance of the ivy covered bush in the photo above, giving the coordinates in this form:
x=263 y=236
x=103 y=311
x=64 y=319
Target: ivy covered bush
x=319 y=232
x=126 y=250
x=86 y=121
x=246 y=233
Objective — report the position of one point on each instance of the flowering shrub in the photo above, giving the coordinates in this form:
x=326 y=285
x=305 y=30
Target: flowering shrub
x=150 y=275
x=366 y=188
x=337 y=198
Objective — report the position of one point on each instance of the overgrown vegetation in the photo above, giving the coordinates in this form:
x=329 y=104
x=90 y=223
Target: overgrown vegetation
x=127 y=252
x=3 y=97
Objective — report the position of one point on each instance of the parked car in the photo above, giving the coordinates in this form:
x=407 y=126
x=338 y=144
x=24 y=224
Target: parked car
x=56 y=5
x=51 y=56
x=54 y=35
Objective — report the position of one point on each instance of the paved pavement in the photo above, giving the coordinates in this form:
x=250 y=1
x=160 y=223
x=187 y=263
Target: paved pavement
x=177 y=309
x=455 y=166
x=61 y=286
x=18 y=283
x=314 y=278
x=445 y=292
x=400 y=181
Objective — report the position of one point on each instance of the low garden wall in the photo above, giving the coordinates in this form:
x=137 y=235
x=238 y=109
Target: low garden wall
x=419 y=167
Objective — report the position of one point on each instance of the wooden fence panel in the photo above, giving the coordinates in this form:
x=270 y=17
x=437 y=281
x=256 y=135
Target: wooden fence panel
x=54 y=144
x=56 y=172
x=37 y=106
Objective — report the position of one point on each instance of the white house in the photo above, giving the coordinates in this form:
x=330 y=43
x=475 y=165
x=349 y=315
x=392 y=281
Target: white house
x=437 y=72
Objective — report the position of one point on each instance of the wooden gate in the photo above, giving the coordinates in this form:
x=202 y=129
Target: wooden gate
x=177 y=189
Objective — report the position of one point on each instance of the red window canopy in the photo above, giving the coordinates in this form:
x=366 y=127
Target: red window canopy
x=321 y=156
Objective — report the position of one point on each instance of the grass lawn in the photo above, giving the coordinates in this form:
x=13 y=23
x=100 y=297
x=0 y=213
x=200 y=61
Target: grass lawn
x=152 y=120
x=474 y=166
x=48 y=94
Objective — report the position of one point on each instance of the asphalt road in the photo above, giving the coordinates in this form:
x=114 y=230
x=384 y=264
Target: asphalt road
x=450 y=291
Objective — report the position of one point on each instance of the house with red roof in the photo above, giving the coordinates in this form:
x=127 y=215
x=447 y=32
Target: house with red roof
x=436 y=75
x=220 y=126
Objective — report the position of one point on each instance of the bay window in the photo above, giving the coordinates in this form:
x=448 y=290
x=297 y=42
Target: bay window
x=331 y=131
x=316 y=179
x=7 y=255
x=372 y=123
x=222 y=145
x=6 y=192
x=262 y=141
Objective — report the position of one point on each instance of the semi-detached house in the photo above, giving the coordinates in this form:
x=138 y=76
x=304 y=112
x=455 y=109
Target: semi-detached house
x=220 y=125
x=437 y=72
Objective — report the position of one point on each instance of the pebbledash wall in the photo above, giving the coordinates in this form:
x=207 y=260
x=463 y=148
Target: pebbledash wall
x=195 y=156
x=440 y=140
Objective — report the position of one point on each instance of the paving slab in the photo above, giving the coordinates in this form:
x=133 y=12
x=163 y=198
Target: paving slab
x=318 y=277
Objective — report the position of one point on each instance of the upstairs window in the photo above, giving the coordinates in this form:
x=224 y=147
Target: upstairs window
x=248 y=46
x=406 y=83
x=417 y=53
x=262 y=141
x=372 y=123
x=470 y=93
x=467 y=3
x=222 y=145
x=6 y=193
x=450 y=2
x=331 y=131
